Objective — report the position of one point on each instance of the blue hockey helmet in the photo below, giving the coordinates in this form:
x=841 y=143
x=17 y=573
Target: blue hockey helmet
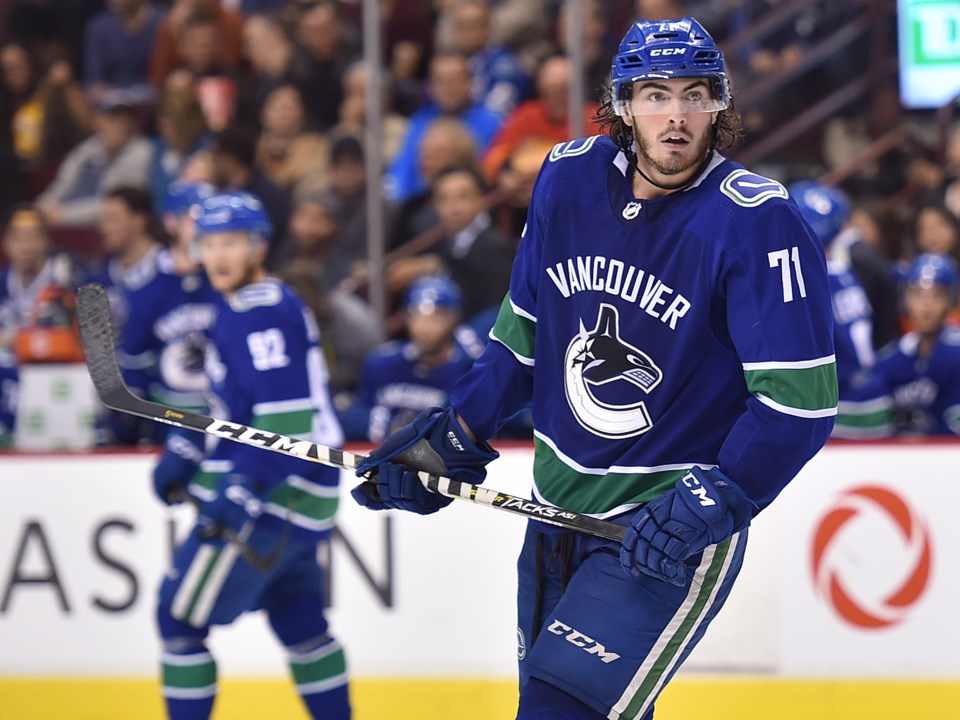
x=664 y=49
x=183 y=195
x=931 y=269
x=233 y=211
x=432 y=292
x=826 y=209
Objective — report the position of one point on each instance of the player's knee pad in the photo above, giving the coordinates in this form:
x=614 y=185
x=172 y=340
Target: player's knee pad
x=172 y=628
x=541 y=701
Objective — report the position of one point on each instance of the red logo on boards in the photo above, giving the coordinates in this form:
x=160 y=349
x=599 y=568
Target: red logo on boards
x=863 y=605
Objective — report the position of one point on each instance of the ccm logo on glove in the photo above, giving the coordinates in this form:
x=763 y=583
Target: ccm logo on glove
x=698 y=490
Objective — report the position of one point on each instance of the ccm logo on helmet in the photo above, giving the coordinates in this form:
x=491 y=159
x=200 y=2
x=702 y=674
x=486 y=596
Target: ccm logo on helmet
x=667 y=51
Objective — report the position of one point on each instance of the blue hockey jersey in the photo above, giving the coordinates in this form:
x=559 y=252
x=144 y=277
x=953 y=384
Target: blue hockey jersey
x=266 y=370
x=655 y=335
x=162 y=345
x=395 y=387
x=915 y=395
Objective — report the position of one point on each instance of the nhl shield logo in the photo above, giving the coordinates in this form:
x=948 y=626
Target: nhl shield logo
x=632 y=210
x=599 y=362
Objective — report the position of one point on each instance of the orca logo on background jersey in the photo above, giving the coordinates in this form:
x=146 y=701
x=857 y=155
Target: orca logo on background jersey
x=599 y=362
x=749 y=190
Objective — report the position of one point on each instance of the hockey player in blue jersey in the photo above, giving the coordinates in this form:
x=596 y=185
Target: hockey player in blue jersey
x=915 y=386
x=826 y=210
x=669 y=316
x=265 y=370
x=399 y=380
x=162 y=347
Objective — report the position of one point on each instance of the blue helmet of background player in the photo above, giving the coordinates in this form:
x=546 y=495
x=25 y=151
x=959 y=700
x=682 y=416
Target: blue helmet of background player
x=183 y=195
x=664 y=49
x=231 y=212
x=429 y=293
x=932 y=269
x=826 y=209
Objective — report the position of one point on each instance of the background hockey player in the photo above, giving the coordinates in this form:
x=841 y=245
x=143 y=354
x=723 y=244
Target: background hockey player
x=401 y=379
x=826 y=210
x=915 y=385
x=162 y=346
x=669 y=316
x=265 y=369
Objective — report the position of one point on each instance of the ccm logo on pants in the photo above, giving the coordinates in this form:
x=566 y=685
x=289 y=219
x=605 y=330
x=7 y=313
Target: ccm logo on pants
x=587 y=643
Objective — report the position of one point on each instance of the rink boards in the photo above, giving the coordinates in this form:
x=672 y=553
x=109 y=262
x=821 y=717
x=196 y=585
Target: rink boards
x=847 y=581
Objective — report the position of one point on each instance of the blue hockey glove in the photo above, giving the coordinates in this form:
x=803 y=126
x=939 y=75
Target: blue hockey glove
x=178 y=464
x=233 y=512
x=435 y=442
x=703 y=508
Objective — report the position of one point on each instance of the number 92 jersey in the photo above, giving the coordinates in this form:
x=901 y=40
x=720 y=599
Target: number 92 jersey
x=654 y=335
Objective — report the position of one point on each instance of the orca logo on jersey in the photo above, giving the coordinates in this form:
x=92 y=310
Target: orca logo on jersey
x=749 y=190
x=599 y=358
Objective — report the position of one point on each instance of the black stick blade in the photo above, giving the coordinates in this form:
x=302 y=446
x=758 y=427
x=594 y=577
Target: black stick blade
x=98 y=339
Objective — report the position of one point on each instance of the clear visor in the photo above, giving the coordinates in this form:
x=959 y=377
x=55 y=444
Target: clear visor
x=652 y=97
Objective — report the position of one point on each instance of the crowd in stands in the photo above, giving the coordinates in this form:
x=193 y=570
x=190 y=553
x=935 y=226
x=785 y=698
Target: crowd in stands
x=108 y=107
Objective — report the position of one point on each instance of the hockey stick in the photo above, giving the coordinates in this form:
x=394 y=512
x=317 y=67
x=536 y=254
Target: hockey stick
x=96 y=333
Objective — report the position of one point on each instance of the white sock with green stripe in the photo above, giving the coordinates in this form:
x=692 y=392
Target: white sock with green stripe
x=189 y=683
x=320 y=673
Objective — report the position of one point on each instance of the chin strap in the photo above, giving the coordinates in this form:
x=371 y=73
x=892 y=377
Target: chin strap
x=628 y=150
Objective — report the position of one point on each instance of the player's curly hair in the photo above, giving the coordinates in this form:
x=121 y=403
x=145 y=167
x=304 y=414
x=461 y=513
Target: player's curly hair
x=727 y=131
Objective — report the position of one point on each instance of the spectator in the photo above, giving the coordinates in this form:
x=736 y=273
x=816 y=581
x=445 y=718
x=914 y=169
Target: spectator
x=268 y=50
x=407 y=39
x=450 y=92
x=30 y=269
x=347 y=196
x=401 y=379
x=349 y=330
x=118 y=43
x=294 y=157
x=43 y=115
x=473 y=251
x=234 y=168
x=446 y=143
x=166 y=55
x=321 y=55
x=353 y=111
x=597 y=47
x=500 y=82
x=114 y=155
x=126 y=226
x=311 y=235
x=181 y=133
x=514 y=158
x=937 y=230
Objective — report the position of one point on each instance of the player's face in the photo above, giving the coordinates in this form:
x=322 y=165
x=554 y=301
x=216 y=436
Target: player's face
x=231 y=259
x=431 y=332
x=672 y=135
x=927 y=307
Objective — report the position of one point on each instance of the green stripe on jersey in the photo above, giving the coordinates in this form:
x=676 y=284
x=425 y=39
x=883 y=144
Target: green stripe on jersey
x=294 y=422
x=594 y=494
x=301 y=502
x=515 y=331
x=800 y=388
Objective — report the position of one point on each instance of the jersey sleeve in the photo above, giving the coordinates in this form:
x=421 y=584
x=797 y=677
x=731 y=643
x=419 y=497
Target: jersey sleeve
x=780 y=320
x=507 y=362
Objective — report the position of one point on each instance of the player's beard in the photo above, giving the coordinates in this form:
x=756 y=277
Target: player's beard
x=677 y=164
